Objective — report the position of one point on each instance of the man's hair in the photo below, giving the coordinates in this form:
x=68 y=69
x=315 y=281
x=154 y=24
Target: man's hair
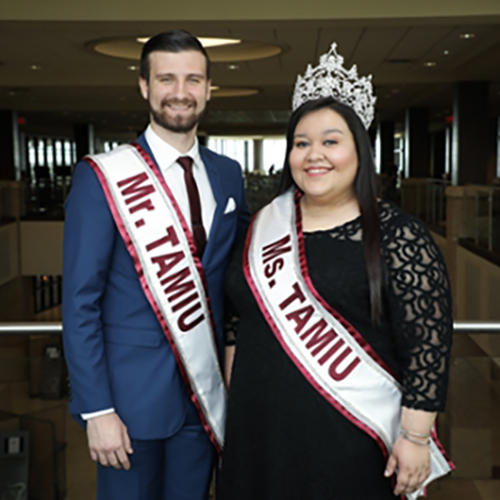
x=171 y=41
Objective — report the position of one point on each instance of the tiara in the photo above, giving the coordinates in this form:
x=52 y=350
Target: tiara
x=331 y=79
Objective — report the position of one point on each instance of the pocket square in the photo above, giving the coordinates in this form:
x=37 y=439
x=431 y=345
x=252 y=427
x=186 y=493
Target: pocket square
x=230 y=207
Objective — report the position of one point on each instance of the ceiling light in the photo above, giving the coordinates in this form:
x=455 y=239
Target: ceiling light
x=467 y=36
x=205 y=41
x=133 y=68
x=35 y=67
x=430 y=64
x=233 y=66
x=217 y=42
x=446 y=52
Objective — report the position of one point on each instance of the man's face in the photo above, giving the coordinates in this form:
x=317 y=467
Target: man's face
x=178 y=89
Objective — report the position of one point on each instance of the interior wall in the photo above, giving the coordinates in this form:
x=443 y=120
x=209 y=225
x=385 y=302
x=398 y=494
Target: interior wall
x=9 y=252
x=130 y=10
x=41 y=248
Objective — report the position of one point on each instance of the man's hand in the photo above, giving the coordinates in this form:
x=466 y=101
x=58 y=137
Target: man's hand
x=412 y=463
x=109 y=443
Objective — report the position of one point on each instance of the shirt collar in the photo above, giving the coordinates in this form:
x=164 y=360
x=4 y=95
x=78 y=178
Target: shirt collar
x=165 y=154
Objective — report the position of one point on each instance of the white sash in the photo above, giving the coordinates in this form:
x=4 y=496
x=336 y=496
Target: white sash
x=171 y=275
x=329 y=352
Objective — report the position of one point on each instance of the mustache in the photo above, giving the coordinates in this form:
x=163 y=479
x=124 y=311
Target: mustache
x=175 y=100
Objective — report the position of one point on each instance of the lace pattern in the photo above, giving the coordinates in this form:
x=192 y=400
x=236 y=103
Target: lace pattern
x=420 y=305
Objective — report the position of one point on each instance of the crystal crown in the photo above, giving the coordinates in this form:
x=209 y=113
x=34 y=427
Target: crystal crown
x=331 y=79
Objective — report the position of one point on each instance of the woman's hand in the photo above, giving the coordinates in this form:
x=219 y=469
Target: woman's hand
x=413 y=464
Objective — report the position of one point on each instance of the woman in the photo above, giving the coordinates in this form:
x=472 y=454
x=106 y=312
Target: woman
x=298 y=431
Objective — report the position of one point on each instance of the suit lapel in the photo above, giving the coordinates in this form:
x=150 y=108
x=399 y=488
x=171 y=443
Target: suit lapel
x=217 y=190
x=141 y=140
x=219 y=196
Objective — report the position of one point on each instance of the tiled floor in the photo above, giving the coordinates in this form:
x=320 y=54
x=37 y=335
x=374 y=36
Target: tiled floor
x=470 y=429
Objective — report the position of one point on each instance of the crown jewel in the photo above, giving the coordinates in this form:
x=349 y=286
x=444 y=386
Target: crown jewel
x=331 y=79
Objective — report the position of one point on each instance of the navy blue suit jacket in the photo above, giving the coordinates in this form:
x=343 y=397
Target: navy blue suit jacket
x=116 y=352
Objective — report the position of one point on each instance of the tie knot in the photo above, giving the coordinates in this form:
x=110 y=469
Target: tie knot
x=186 y=162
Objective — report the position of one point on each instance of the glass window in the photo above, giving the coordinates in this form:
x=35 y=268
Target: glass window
x=41 y=153
x=31 y=153
x=238 y=148
x=67 y=153
x=273 y=152
x=58 y=152
x=50 y=153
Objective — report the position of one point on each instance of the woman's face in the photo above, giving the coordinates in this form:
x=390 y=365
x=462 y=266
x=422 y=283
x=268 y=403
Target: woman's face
x=323 y=159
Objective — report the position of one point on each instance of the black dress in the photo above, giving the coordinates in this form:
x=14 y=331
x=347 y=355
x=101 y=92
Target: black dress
x=284 y=441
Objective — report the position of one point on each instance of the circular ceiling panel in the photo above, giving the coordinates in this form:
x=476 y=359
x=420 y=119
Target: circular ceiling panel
x=232 y=51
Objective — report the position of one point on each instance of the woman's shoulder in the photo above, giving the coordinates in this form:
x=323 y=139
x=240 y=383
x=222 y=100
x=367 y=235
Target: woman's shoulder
x=406 y=236
x=394 y=219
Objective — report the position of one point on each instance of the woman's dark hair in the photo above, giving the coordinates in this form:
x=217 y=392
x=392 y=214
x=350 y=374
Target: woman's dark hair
x=365 y=189
x=171 y=41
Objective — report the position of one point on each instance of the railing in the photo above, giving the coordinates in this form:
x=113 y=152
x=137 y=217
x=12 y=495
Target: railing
x=482 y=216
x=479 y=214
x=469 y=429
x=11 y=196
x=55 y=327
x=43 y=200
x=426 y=199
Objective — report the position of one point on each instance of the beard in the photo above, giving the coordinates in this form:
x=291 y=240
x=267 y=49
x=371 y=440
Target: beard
x=178 y=124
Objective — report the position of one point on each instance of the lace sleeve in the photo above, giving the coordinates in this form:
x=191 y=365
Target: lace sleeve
x=421 y=313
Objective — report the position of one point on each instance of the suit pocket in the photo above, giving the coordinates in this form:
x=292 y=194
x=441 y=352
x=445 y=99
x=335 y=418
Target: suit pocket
x=132 y=336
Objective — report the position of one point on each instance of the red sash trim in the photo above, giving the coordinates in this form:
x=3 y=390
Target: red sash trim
x=350 y=329
x=338 y=406
x=187 y=231
x=307 y=278
x=140 y=272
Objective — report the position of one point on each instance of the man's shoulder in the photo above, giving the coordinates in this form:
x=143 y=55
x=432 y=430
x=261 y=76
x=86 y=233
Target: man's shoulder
x=212 y=156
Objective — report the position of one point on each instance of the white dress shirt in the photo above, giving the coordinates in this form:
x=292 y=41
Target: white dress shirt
x=166 y=159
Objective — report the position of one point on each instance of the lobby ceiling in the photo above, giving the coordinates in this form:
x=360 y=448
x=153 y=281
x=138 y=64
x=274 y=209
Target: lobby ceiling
x=51 y=75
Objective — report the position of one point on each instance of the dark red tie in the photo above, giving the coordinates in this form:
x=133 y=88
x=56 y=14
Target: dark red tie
x=200 y=237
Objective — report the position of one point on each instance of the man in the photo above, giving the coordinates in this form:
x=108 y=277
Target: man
x=138 y=332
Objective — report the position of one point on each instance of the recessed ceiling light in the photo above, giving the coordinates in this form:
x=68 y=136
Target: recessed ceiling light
x=446 y=52
x=205 y=41
x=132 y=68
x=35 y=67
x=430 y=64
x=233 y=66
x=467 y=36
